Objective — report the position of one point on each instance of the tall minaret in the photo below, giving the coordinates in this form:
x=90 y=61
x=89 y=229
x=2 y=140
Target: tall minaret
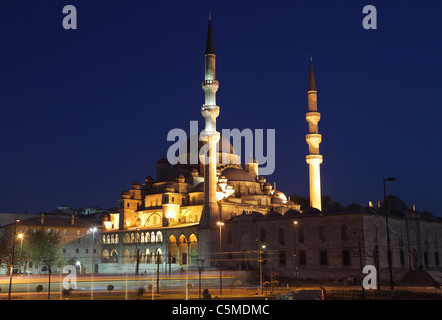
x=313 y=138
x=210 y=111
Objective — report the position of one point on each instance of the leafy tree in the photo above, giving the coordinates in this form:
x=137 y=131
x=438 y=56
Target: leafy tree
x=304 y=202
x=5 y=248
x=44 y=247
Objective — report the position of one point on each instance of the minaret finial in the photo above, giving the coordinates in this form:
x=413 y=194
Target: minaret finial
x=311 y=58
x=210 y=15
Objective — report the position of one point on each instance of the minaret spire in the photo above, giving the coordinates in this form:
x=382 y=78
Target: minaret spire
x=313 y=139
x=311 y=82
x=210 y=46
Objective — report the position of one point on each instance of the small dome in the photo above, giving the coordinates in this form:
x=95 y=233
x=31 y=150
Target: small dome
x=273 y=214
x=333 y=209
x=311 y=212
x=428 y=216
x=292 y=213
x=280 y=194
x=234 y=174
x=356 y=208
x=136 y=183
x=163 y=161
x=394 y=203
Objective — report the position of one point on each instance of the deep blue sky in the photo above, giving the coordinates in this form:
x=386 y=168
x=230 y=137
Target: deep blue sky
x=85 y=112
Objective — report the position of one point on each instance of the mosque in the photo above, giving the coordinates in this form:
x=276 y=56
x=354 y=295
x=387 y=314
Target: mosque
x=219 y=215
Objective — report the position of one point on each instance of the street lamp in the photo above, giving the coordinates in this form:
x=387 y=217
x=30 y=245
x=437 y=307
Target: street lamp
x=388 y=237
x=93 y=230
x=220 y=224
x=12 y=259
x=295 y=223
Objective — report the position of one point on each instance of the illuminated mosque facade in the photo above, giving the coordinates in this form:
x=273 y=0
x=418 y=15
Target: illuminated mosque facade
x=227 y=215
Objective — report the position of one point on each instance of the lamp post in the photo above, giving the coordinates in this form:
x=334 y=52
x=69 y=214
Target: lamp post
x=20 y=236
x=200 y=267
x=295 y=223
x=220 y=224
x=11 y=270
x=137 y=252
x=388 y=238
x=260 y=260
x=93 y=230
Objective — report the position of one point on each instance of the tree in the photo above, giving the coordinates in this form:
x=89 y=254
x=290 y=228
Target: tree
x=44 y=247
x=304 y=202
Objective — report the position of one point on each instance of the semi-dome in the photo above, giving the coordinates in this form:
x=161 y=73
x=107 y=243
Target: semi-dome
x=235 y=174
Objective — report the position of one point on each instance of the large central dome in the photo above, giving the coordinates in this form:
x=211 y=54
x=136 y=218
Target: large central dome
x=226 y=153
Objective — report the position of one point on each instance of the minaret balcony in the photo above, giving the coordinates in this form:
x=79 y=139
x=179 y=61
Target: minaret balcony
x=313 y=117
x=210 y=83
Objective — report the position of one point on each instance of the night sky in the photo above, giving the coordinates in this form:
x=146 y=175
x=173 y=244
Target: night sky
x=86 y=112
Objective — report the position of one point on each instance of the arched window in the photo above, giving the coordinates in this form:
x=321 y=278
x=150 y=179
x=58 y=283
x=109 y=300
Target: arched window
x=152 y=237
x=321 y=233
x=112 y=239
x=132 y=238
x=229 y=236
x=281 y=236
x=116 y=238
x=105 y=256
x=263 y=235
x=126 y=238
x=344 y=235
x=301 y=234
x=142 y=237
x=159 y=237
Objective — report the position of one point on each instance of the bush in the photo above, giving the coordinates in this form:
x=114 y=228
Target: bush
x=140 y=291
x=206 y=294
x=110 y=287
x=39 y=288
x=67 y=292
